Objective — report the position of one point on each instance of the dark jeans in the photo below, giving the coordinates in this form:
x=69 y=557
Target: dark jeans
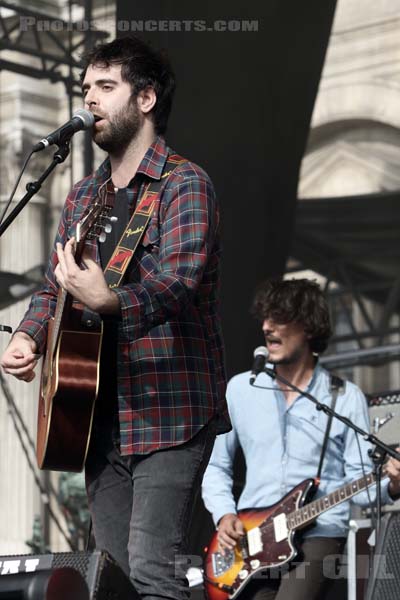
x=307 y=578
x=141 y=507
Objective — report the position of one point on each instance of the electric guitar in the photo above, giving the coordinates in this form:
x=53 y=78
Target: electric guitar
x=270 y=537
x=70 y=372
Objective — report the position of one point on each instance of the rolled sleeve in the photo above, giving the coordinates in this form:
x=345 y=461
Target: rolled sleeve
x=218 y=477
x=356 y=461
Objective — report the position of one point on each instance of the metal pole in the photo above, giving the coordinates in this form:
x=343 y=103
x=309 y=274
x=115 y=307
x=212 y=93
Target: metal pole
x=88 y=145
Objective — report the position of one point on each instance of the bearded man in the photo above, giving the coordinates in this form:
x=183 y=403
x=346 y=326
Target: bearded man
x=162 y=379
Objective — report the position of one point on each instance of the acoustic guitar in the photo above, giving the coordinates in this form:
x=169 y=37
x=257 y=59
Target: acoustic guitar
x=70 y=372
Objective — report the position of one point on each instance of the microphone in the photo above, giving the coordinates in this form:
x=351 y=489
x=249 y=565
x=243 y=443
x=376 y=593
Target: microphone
x=82 y=119
x=260 y=358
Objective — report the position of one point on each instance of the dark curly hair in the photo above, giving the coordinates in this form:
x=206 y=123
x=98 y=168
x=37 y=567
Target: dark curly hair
x=141 y=67
x=298 y=300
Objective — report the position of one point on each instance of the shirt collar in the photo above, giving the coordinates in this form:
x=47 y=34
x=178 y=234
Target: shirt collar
x=151 y=165
x=314 y=377
x=154 y=160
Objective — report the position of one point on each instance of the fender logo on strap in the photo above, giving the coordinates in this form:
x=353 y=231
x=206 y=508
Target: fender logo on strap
x=130 y=232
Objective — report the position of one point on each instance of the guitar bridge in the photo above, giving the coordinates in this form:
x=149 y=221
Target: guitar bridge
x=222 y=563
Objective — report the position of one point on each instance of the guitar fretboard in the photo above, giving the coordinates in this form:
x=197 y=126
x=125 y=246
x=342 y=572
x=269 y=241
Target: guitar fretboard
x=98 y=211
x=57 y=322
x=309 y=512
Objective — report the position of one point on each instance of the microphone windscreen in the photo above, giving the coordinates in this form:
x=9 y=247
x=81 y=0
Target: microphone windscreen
x=261 y=351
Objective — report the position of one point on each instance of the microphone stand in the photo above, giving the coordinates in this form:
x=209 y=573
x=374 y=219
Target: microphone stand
x=378 y=454
x=32 y=188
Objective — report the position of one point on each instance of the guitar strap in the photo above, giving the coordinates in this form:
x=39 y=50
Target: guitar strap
x=134 y=231
x=336 y=386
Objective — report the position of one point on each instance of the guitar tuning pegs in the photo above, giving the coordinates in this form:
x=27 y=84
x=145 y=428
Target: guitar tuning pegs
x=103 y=237
x=108 y=226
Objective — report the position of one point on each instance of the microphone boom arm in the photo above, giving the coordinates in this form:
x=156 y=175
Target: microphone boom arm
x=34 y=186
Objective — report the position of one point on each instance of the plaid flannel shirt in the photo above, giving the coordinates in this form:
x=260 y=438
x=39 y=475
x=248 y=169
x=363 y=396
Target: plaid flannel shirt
x=170 y=358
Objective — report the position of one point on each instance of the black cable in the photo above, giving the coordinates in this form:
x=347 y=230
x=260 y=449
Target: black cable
x=371 y=504
x=372 y=509
x=89 y=535
x=7 y=206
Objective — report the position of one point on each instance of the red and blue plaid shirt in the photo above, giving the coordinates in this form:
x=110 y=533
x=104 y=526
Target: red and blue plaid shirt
x=170 y=358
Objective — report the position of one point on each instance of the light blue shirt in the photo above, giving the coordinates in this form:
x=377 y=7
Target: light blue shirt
x=282 y=447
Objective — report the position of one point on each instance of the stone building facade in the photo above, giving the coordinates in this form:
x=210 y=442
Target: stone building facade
x=354 y=141
x=30 y=108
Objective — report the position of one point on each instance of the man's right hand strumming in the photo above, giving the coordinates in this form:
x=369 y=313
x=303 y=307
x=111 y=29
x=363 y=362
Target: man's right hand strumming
x=20 y=358
x=230 y=529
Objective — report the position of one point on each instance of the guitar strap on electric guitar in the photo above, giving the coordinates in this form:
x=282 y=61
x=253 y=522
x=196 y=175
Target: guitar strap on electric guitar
x=336 y=386
x=134 y=231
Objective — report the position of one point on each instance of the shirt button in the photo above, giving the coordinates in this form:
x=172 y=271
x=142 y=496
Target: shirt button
x=89 y=322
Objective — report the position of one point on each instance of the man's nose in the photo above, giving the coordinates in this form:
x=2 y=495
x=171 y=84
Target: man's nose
x=91 y=99
x=268 y=326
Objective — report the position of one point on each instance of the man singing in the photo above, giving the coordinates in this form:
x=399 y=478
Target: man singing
x=162 y=383
x=281 y=434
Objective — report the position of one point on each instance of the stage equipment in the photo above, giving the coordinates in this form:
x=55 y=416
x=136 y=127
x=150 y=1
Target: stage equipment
x=384 y=411
x=104 y=578
x=384 y=582
x=358 y=558
x=57 y=584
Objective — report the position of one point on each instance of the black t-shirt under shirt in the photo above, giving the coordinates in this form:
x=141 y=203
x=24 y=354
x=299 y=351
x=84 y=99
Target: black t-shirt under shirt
x=107 y=399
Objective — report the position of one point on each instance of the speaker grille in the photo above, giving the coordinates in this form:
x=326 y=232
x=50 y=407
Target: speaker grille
x=77 y=560
x=385 y=578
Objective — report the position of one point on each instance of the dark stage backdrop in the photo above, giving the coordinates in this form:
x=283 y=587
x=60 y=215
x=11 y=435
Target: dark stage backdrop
x=242 y=111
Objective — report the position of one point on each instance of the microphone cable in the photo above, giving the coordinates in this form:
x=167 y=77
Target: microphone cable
x=7 y=206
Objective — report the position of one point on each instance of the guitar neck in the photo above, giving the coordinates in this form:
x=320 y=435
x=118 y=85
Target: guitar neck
x=53 y=340
x=308 y=513
x=63 y=301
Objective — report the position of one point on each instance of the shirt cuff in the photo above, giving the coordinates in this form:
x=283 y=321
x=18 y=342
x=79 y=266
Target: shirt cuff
x=38 y=334
x=218 y=514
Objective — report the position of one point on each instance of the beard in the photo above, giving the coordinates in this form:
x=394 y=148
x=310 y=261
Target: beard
x=120 y=130
x=295 y=356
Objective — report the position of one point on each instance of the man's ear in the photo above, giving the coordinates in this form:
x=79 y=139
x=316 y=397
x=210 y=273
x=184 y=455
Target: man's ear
x=146 y=99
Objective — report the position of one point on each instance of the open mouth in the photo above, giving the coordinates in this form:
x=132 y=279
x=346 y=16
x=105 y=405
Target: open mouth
x=273 y=344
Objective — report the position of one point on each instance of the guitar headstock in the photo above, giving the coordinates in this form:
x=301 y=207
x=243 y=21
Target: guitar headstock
x=95 y=223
